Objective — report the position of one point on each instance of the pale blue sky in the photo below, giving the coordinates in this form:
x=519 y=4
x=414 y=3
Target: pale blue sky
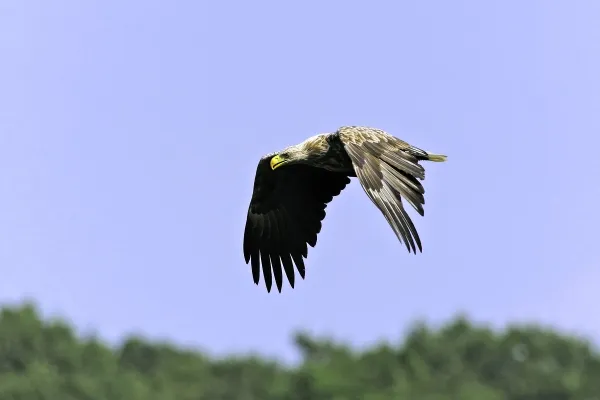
x=130 y=133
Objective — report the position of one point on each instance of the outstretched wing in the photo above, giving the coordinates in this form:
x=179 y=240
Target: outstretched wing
x=387 y=169
x=285 y=215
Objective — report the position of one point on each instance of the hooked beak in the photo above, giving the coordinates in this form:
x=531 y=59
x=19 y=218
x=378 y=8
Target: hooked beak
x=277 y=161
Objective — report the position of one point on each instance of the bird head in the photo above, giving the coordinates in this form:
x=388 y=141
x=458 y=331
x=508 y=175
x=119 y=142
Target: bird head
x=286 y=157
x=311 y=149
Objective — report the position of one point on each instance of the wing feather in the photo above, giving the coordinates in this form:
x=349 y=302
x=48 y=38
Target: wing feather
x=388 y=169
x=285 y=215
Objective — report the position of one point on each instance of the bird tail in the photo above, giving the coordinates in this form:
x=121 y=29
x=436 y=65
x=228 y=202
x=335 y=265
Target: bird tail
x=436 y=157
x=425 y=155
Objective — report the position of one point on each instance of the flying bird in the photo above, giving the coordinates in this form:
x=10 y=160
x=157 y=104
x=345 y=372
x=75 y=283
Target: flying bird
x=293 y=187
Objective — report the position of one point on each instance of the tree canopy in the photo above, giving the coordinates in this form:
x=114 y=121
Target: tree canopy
x=47 y=359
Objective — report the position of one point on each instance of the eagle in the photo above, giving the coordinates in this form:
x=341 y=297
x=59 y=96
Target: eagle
x=292 y=188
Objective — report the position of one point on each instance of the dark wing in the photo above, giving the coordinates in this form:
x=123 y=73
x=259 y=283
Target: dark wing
x=285 y=215
x=387 y=169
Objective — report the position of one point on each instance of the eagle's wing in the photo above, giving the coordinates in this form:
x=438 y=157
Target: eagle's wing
x=387 y=169
x=284 y=215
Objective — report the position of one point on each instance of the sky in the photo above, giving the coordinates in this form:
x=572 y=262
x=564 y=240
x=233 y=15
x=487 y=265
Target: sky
x=130 y=133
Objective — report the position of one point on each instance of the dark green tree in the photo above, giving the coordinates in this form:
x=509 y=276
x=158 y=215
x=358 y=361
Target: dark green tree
x=47 y=359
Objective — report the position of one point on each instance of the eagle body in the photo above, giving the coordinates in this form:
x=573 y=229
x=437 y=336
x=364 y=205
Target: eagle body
x=293 y=187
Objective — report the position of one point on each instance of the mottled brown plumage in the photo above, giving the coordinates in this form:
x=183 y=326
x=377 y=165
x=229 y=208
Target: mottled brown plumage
x=293 y=187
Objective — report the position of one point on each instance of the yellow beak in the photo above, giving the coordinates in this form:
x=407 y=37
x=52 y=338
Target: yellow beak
x=276 y=161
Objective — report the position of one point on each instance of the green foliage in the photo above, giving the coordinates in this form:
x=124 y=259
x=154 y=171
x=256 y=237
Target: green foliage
x=47 y=360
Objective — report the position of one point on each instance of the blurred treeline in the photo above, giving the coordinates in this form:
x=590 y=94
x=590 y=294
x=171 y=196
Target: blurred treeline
x=47 y=359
